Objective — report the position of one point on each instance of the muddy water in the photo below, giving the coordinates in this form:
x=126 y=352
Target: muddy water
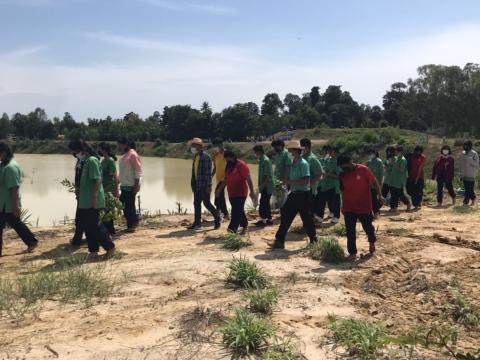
x=165 y=182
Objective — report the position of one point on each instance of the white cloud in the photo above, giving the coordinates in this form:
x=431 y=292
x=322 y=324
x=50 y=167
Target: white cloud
x=191 y=6
x=192 y=74
x=23 y=53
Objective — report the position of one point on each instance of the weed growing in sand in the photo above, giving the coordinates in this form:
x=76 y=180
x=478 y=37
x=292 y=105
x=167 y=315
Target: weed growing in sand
x=359 y=337
x=234 y=241
x=292 y=277
x=246 y=274
x=463 y=209
x=282 y=348
x=340 y=230
x=463 y=311
x=327 y=249
x=397 y=232
x=262 y=301
x=246 y=334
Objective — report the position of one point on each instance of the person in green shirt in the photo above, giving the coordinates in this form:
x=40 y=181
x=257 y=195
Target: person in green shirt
x=299 y=200
x=281 y=159
x=396 y=172
x=329 y=188
x=10 y=204
x=91 y=200
x=375 y=164
x=109 y=177
x=265 y=186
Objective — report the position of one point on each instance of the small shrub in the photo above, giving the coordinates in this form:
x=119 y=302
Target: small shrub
x=359 y=337
x=397 y=231
x=246 y=334
x=340 y=230
x=463 y=209
x=326 y=249
x=464 y=312
x=234 y=241
x=292 y=277
x=246 y=274
x=262 y=300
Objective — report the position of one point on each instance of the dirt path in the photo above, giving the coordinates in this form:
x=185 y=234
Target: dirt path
x=177 y=280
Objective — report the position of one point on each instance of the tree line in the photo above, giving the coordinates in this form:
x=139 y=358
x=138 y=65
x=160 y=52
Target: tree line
x=444 y=100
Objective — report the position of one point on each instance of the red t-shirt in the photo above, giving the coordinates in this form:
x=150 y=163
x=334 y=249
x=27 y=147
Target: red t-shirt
x=236 y=179
x=357 y=197
x=417 y=161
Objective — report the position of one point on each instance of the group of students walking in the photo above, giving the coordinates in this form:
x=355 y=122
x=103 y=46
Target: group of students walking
x=309 y=184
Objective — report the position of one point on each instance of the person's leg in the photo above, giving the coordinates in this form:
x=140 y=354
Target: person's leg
x=351 y=227
x=109 y=226
x=104 y=238
x=440 y=184
x=90 y=223
x=474 y=196
x=307 y=216
x=451 y=191
x=468 y=191
x=209 y=206
x=243 y=215
x=403 y=197
x=394 y=198
x=235 y=214
x=127 y=198
x=2 y=227
x=21 y=229
x=288 y=214
x=220 y=202
x=262 y=207
x=79 y=230
x=322 y=200
x=367 y=224
x=197 y=205
x=385 y=190
x=410 y=187
x=375 y=202
x=420 y=187
x=336 y=204
x=268 y=208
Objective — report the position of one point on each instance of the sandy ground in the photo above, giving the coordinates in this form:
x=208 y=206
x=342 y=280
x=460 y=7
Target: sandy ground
x=176 y=280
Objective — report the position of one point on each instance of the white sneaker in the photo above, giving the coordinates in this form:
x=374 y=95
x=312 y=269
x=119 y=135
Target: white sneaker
x=317 y=219
x=334 y=220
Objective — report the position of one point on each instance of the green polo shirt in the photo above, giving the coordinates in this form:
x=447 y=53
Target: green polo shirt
x=265 y=170
x=282 y=160
x=376 y=165
x=396 y=172
x=329 y=182
x=10 y=177
x=299 y=170
x=108 y=167
x=91 y=173
x=316 y=169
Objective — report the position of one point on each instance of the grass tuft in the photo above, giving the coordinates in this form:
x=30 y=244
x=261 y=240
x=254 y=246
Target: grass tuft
x=463 y=311
x=327 y=249
x=262 y=301
x=234 y=241
x=246 y=274
x=340 y=230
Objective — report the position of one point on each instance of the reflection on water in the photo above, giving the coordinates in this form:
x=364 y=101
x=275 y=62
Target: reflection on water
x=165 y=182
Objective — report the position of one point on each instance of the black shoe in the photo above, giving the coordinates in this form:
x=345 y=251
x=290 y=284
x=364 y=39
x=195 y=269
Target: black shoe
x=276 y=245
x=194 y=227
x=260 y=223
x=218 y=224
x=269 y=222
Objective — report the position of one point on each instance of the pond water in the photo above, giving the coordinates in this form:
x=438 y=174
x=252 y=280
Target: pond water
x=165 y=182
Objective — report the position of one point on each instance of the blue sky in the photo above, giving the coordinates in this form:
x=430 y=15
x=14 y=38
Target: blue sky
x=95 y=58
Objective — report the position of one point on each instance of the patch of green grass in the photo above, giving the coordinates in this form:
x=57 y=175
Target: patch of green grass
x=361 y=338
x=397 y=231
x=463 y=209
x=246 y=334
x=340 y=230
x=262 y=301
x=463 y=312
x=234 y=241
x=282 y=348
x=326 y=249
x=246 y=274
x=292 y=277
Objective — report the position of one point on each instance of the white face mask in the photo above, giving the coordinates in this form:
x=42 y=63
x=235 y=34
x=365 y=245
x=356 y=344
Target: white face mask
x=371 y=156
x=194 y=150
x=80 y=156
x=445 y=152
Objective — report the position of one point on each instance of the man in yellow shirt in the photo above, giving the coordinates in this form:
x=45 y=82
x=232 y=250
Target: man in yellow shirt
x=219 y=166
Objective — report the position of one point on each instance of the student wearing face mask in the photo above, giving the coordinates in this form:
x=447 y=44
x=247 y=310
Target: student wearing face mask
x=201 y=183
x=77 y=237
x=109 y=176
x=10 y=204
x=416 y=176
x=281 y=159
x=356 y=182
x=469 y=164
x=238 y=183
x=375 y=164
x=219 y=166
x=316 y=172
x=444 y=171
x=299 y=199
x=265 y=186
x=91 y=200
x=130 y=174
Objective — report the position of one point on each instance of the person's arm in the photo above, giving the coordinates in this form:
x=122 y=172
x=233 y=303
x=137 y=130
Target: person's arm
x=16 y=210
x=116 y=181
x=208 y=170
x=421 y=168
x=137 y=168
x=250 y=186
x=96 y=189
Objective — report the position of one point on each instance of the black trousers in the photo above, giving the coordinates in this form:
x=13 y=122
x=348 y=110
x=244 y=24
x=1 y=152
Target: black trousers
x=375 y=202
x=20 y=228
x=203 y=196
x=449 y=185
x=238 y=216
x=79 y=230
x=110 y=227
x=396 y=195
x=351 y=224
x=297 y=203
x=127 y=197
x=220 y=202
x=90 y=220
x=415 y=190
x=323 y=198
x=469 y=191
x=264 y=208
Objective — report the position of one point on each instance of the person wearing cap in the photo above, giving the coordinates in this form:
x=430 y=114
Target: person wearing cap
x=219 y=166
x=469 y=164
x=281 y=159
x=416 y=176
x=329 y=189
x=201 y=183
x=316 y=169
x=265 y=186
x=238 y=183
x=299 y=200
x=356 y=182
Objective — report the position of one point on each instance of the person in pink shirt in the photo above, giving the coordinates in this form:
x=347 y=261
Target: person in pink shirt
x=130 y=174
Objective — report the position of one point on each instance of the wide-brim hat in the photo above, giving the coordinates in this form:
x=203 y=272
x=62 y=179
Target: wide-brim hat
x=294 y=145
x=196 y=141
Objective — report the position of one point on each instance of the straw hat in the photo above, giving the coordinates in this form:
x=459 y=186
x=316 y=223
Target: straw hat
x=196 y=141
x=294 y=145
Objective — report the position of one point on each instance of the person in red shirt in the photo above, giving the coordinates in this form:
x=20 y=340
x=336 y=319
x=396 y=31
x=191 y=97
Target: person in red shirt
x=416 y=176
x=444 y=171
x=356 y=182
x=238 y=182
